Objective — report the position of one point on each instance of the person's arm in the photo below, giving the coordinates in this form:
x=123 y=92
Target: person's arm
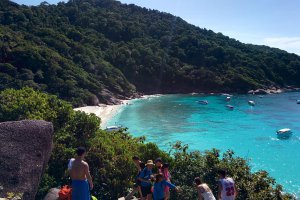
x=200 y=191
x=167 y=183
x=235 y=191
x=88 y=176
x=220 y=188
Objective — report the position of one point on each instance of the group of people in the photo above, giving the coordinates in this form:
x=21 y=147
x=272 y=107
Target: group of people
x=147 y=183
x=150 y=185
x=157 y=186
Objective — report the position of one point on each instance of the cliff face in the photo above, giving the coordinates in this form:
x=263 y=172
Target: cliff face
x=24 y=152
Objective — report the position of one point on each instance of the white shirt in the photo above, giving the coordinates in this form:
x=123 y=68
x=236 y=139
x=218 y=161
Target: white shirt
x=228 y=189
x=70 y=164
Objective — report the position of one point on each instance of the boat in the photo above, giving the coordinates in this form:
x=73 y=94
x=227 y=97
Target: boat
x=230 y=107
x=228 y=98
x=113 y=128
x=227 y=95
x=251 y=103
x=298 y=101
x=203 y=102
x=284 y=133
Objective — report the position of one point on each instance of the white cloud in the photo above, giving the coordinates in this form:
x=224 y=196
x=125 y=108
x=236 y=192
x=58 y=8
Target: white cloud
x=290 y=44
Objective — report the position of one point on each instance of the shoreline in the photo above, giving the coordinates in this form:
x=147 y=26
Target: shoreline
x=106 y=112
x=103 y=111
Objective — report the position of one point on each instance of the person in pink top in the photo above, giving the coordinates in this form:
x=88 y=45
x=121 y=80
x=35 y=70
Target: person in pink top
x=167 y=176
x=163 y=168
x=227 y=188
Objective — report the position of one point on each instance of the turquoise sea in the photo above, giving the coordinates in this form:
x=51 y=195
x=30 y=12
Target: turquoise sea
x=249 y=131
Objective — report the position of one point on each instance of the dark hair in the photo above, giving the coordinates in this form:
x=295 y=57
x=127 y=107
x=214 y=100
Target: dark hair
x=198 y=180
x=222 y=172
x=142 y=165
x=135 y=158
x=158 y=176
x=158 y=160
x=80 y=151
x=165 y=165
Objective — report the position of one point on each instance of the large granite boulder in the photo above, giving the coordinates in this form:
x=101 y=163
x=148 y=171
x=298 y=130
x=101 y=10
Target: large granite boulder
x=24 y=152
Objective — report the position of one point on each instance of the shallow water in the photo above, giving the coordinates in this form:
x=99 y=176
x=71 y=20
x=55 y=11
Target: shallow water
x=249 y=131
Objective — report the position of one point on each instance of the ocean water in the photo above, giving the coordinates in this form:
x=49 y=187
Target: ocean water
x=249 y=131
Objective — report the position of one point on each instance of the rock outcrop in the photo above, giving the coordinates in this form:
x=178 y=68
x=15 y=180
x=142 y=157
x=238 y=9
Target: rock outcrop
x=24 y=152
x=52 y=194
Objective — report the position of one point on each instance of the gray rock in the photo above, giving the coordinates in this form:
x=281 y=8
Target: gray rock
x=52 y=194
x=24 y=152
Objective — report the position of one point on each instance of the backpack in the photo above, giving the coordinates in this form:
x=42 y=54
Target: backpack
x=65 y=193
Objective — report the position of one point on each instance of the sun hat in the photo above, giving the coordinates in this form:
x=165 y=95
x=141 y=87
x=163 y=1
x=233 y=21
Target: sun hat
x=149 y=162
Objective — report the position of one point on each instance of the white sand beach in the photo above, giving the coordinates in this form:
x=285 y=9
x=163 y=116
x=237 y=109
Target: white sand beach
x=105 y=112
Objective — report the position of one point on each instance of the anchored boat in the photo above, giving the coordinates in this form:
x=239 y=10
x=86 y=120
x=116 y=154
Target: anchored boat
x=284 y=133
x=251 y=103
x=203 y=102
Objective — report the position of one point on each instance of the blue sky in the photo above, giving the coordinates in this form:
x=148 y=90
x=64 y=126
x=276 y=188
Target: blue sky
x=274 y=23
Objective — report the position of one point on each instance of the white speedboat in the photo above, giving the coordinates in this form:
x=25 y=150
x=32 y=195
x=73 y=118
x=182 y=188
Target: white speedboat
x=112 y=128
x=230 y=107
x=203 y=102
x=228 y=98
x=251 y=103
x=284 y=133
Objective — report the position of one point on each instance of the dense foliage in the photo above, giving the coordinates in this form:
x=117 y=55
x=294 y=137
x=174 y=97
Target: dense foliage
x=109 y=153
x=85 y=50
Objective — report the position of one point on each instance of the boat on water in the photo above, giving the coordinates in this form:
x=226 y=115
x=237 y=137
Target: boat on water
x=203 y=102
x=228 y=98
x=227 y=95
x=113 y=128
x=284 y=133
x=230 y=107
x=251 y=103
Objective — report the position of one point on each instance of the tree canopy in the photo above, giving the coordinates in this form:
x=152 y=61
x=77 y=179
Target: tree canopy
x=86 y=51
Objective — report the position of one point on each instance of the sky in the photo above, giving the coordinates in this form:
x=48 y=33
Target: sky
x=274 y=23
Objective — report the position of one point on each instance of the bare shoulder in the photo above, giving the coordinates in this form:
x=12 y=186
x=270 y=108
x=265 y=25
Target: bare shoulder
x=201 y=188
x=85 y=164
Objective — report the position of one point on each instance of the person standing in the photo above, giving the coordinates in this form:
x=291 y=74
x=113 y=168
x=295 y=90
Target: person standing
x=159 y=187
x=167 y=177
x=227 y=188
x=158 y=163
x=81 y=177
x=145 y=178
x=137 y=186
x=204 y=192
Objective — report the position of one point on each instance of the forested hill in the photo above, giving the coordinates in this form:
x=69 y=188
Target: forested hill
x=86 y=50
